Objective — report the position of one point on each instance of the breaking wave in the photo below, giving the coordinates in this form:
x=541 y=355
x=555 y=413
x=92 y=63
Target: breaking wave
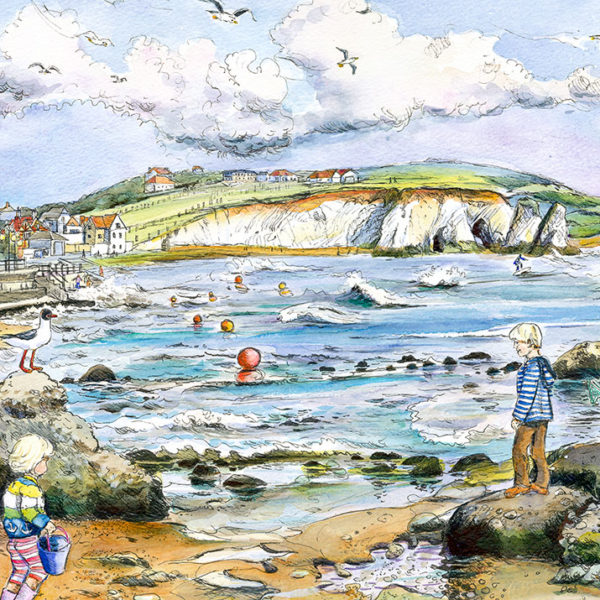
x=318 y=312
x=110 y=294
x=252 y=264
x=442 y=277
x=360 y=291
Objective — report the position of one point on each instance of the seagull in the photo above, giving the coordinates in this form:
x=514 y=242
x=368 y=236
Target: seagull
x=93 y=38
x=348 y=60
x=227 y=16
x=117 y=79
x=32 y=339
x=43 y=69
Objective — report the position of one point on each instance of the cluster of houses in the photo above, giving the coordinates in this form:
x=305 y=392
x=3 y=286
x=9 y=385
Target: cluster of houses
x=283 y=175
x=25 y=233
x=160 y=179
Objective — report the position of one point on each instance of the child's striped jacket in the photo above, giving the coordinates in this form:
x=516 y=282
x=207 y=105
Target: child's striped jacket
x=24 y=512
x=534 y=391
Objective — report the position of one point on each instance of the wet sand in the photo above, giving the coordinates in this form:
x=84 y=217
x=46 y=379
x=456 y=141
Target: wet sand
x=173 y=568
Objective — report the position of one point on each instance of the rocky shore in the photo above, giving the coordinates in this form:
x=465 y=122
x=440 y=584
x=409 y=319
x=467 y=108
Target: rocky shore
x=112 y=506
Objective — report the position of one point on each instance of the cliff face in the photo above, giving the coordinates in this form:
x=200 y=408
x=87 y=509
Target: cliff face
x=430 y=219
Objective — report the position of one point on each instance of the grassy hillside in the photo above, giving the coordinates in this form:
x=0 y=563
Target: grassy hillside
x=153 y=215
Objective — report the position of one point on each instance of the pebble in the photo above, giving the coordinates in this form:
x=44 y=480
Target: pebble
x=341 y=572
x=146 y=597
x=394 y=551
x=299 y=574
x=511 y=514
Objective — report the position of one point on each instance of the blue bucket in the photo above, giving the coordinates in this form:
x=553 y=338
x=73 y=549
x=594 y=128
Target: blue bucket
x=54 y=550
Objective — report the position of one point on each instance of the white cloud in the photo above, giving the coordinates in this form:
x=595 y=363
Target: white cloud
x=399 y=78
x=234 y=106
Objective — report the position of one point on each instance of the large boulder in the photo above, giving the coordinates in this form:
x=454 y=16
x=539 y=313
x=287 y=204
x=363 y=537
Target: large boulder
x=528 y=526
x=578 y=466
x=98 y=373
x=83 y=480
x=466 y=463
x=554 y=230
x=583 y=360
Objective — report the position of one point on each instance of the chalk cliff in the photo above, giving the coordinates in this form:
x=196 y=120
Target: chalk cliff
x=386 y=220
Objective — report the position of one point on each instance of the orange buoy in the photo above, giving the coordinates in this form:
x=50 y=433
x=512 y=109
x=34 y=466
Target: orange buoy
x=197 y=320
x=173 y=299
x=249 y=358
x=238 y=279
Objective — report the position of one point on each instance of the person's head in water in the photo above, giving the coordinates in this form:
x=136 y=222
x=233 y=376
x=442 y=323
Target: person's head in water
x=527 y=339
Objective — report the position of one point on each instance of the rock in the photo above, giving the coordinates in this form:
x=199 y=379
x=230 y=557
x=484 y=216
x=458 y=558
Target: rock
x=424 y=466
x=244 y=483
x=67 y=380
x=268 y=566
x=362 y=363
x=478 y=528
x=394 y=551
x=341 y=572
x=407 y=358
x=472 y=460
x=146 y=597
x=554 y=230
x=97 y=373
x=411 y=366
x=525 y=224
x=581 y=538
x=578 y=466
x=470 y=385
x=493 y=371
x=449 y=361
x=427 y=522
x=299 y=574
x=569 y=575
x=134 y=581
x=381 y=468
x=476 y=356
x=428 y=363
x=390 y=368
x=512 y=366
x=83 y=480
x=325 y=369
x=581 y=361
x=380 y=455
x=203 y=473
x=128 y=559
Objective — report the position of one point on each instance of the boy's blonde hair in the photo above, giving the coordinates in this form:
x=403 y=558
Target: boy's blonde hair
x=527 y=332
x=28 y=452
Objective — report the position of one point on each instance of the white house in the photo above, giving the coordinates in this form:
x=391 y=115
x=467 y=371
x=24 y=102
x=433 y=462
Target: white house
x=158 y=183
x=157 y=171
x=106 y=235
x=55 y=219
x=333 y=176
x=282 y=175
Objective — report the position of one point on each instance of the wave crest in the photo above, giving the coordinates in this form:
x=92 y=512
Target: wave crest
x=318 y=312
x=442 y=277
x=360 y=291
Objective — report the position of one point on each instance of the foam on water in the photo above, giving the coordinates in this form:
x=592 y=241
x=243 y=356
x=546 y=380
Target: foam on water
x=357 y=288
x=113 y=294
x=447 y=276
x=318 y=312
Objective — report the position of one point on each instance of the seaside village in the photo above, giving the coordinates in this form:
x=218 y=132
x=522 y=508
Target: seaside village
x=26 y=233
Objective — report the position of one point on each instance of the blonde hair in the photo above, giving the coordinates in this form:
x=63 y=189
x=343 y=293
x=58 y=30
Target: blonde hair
x=527 y=332
x=28 y=452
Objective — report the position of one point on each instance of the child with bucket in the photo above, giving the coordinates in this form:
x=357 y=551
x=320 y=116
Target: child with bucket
x=25 y=519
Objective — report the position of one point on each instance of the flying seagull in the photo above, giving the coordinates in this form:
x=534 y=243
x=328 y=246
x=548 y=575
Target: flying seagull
x=227 y=16
x=43 y=69
x=348 y=60
x=117 y=79
x=93 y=38
x=32 y=339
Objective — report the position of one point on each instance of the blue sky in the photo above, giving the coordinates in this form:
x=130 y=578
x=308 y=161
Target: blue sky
x=496 y=87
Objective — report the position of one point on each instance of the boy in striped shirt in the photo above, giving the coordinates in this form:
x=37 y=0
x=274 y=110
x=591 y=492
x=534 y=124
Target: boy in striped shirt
x=532 y=412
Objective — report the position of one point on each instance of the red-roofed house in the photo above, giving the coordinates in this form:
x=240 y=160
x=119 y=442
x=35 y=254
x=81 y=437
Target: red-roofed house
x=105 y=235
x=154 y=171
x=158 y=183
x=333 y=176
x=282 y=175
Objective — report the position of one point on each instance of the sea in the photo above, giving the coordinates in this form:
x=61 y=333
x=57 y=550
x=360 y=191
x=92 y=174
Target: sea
x=335 y=370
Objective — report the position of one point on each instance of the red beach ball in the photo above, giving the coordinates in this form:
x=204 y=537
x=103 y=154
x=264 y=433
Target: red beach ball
x=249 y=358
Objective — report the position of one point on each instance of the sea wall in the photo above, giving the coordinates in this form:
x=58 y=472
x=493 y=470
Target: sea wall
x=383 y=220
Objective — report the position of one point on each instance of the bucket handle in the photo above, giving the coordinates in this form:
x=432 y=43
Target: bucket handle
x=65 y=536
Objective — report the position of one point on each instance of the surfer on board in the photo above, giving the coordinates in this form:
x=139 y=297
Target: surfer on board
x=518 y=262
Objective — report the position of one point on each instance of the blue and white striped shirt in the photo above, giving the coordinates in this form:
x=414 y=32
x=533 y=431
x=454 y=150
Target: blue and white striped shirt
x=534 y=391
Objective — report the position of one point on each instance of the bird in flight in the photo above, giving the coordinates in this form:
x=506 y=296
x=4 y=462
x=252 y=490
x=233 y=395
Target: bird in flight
x=227 y=16
x=117 y=79
x=347 y=60
x=93 y=38
x=43 y=69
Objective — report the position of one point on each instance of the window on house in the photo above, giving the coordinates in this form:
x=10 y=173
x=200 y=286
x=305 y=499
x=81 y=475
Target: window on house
x=121 y=234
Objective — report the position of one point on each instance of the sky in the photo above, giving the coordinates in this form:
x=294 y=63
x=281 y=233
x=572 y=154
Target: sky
x=95 y=91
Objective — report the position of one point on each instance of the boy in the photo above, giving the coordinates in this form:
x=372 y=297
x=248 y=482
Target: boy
x=25 y=518
x=532 y=412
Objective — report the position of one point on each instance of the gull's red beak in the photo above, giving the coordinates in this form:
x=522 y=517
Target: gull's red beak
x=53 y=316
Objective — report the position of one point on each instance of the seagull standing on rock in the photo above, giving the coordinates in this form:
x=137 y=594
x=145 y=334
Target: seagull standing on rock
x=32 y=339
